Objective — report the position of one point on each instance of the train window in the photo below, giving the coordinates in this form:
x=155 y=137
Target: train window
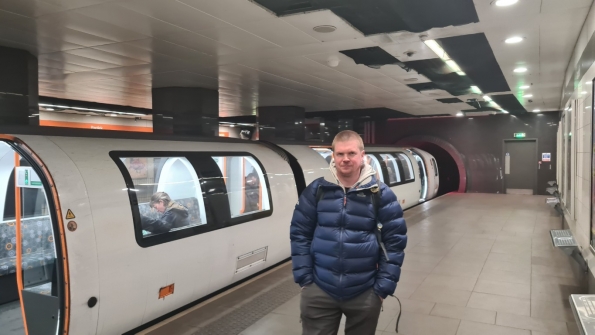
x=177 y=195
x=326 y=153
x=168 y=193
x=394 y=176
x=246 y=186
x=373 y=161
x=407 y=167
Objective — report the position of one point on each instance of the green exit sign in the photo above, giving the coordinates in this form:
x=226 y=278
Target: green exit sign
x=519 y=135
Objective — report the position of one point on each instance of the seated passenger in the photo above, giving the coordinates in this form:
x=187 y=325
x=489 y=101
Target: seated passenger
x=252 y=193
x=173 y=215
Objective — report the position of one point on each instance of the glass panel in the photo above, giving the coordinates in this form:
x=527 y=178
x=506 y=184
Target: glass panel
x=245 y=182
x=168 y=193
x=569 y=152
x=422 y=175
x=407 y=167
x=394 y=176
x=326 y=153
x=373 y=161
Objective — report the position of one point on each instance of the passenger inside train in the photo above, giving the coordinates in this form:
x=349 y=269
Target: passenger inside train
x=173 y=215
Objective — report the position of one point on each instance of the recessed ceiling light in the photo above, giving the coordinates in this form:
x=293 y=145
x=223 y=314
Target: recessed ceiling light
x=505 y=112
x=325 y=29
x=512 y=40
x=520 y=69
x=524 y=87
x=583 y=92
x=503 y=3
x=587 y=107
x=49 y=109
x=528 y=96
x=487 y=98
x=536 y=110
x=459 y=114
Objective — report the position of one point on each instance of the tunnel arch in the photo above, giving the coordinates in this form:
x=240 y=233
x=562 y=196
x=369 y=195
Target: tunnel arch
x=419 y=141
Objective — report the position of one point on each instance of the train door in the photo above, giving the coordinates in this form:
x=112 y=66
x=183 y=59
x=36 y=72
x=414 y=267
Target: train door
x=31 y=281
x=423 y=176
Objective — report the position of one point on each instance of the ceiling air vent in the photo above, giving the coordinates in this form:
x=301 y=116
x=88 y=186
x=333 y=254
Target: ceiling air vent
x=324 y=29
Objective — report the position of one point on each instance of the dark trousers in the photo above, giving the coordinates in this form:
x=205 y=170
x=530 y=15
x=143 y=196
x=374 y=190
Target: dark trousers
x=321 y=314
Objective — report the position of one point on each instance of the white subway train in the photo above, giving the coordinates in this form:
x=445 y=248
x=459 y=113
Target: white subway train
x=84 y=261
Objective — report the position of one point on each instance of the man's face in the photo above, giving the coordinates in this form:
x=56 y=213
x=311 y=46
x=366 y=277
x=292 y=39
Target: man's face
x=348 y=157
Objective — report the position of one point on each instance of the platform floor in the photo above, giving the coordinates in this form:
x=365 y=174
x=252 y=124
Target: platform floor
x=474 y=264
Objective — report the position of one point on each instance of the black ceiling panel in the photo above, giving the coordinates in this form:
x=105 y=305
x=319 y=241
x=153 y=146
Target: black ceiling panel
x=482 y=109
x=450 y=100
x=424 y=86
x=385 y=16
x=373 y=57
x=509 y=103
x=442 y=76
x=475 y=57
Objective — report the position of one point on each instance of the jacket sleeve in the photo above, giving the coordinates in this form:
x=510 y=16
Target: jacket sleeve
x=158 y=226
x=394 y=237
x=303 y=224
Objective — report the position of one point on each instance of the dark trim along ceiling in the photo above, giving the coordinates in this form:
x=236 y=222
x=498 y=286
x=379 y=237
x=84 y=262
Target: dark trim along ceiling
x=509 y=103
x=450 y=100
x=385 y=16
x=374 y=113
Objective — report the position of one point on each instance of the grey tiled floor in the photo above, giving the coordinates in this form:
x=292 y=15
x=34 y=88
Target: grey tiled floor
x=474 y=264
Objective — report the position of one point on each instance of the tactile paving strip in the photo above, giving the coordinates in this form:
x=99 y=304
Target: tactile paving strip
x=246 y=315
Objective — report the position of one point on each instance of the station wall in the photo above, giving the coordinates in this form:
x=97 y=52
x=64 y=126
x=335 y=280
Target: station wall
x=480 y=142
x=575 y=173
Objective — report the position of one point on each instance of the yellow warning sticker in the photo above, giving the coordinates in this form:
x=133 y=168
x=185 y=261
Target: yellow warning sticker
x=69 y=215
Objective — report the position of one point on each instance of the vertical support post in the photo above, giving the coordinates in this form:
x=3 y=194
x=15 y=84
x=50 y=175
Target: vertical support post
x=19 y=245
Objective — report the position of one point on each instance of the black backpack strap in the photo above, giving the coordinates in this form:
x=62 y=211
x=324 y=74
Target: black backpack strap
x=319 y=194
x=376 y=196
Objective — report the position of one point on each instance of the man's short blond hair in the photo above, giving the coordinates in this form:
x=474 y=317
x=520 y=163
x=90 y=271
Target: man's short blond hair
x=348 y=135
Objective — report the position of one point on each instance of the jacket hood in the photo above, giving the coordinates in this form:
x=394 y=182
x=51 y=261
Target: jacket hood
x=179 y=209
x=367 y=176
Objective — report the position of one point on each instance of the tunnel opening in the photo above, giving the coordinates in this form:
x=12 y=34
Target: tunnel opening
x=451 y=166
x=447 y=168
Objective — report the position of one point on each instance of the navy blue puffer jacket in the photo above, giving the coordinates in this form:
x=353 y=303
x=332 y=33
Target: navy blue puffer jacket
x=333 y=242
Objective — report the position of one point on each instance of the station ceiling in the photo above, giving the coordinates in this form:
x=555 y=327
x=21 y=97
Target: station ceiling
x=267 y=53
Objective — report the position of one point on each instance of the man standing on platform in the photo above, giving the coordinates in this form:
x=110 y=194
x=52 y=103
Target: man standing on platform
x=347 y=240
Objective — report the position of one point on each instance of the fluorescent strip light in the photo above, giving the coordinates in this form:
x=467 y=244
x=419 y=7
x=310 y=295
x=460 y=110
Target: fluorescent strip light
x=505 y=112
x=536 y=110
x=434 y=46
x=520 y=70
x=459 y=114
x=487 y=98
x=475 y=89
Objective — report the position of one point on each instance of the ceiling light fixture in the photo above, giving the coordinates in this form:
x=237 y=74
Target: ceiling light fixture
x=513 y=40
x=504 y=3
x=520 y=70
x=325 y=29
x=587 y=107
x=583 y=92
x=524 y=87
x=434 y=46
x=459 y=114
x=536 y=110
x=50 y=109
x=487 y=98
x=505 y=112
x=588 y=83
x=528 y=96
